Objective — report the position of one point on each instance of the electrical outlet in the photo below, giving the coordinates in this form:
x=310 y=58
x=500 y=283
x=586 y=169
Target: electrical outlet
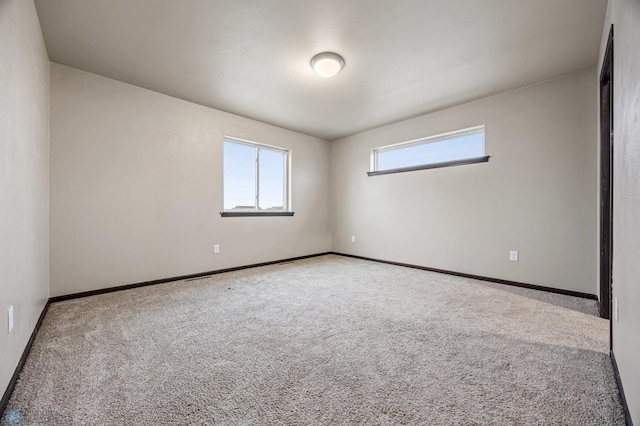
x=216 y=248
x=616 y=309
x=353 y=238
x=10 y=317
x=513 y=255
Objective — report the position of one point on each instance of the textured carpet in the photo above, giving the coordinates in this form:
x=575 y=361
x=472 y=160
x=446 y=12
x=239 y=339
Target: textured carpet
x=327 y=340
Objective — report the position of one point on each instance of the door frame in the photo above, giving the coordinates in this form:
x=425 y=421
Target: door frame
x=606 y=179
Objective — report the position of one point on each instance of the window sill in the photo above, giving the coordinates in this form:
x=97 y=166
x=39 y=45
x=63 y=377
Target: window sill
x=431 y=166
x=255 y=214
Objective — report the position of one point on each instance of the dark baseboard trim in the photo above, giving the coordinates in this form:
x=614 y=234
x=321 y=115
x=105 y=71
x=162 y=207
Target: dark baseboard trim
x=627 y=413
x=16 y=374
x=178 y=278
x=478 y=277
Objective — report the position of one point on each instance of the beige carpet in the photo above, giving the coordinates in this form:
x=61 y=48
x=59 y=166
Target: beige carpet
x=322 y=341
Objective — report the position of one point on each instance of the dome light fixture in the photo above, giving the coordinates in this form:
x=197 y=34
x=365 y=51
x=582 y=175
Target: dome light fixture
x=327 y=64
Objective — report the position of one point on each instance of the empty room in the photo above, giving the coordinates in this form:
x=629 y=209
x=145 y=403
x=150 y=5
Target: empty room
x=347 y=212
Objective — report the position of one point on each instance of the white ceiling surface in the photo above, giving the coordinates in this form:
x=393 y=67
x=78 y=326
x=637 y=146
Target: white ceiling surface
x=251 y=57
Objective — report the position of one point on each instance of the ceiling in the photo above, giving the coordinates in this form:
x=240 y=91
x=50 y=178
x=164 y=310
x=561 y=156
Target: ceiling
x=251 y=57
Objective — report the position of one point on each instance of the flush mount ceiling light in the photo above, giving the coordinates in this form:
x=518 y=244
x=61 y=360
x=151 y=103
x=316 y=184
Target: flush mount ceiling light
x=327 y=64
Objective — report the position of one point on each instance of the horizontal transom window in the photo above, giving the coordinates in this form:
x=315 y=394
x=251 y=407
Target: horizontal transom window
x=449 y=149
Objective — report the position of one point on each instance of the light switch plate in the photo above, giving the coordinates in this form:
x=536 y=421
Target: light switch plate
x=513 y=255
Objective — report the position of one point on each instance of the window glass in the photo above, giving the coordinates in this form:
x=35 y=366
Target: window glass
x=239 y=176
x=272 y=179
x=255 y=177
x=455 y=146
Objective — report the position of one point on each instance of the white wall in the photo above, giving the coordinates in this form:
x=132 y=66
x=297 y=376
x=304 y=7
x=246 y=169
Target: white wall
x=537 y=194
x=625 y=15
x=24 y=178
x=136 y=187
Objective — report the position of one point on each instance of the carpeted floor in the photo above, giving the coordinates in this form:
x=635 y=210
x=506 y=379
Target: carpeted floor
x=323 y=341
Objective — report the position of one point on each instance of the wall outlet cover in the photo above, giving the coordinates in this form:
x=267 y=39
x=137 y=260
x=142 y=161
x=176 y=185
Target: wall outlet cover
x=353 y=238
x=216 y=248
x=513 y=255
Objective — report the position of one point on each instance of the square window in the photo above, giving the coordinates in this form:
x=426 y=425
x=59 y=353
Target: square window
x=256 y=178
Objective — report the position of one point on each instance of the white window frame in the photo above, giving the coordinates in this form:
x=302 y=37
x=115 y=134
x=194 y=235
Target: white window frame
x=256 y=211
x=374 y=171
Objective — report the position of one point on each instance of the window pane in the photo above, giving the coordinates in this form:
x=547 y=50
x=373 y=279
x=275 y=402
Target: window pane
x=454 y=148
x=239 y=176
x=272 y=179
